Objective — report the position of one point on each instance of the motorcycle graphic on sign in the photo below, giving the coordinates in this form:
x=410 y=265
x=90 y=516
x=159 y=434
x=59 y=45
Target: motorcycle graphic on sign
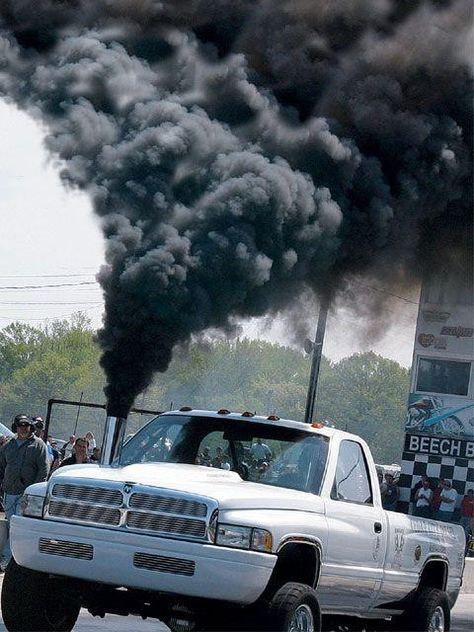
x=431 y=414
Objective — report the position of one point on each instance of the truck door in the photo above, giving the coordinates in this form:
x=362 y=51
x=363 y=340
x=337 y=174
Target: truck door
x=353 y=564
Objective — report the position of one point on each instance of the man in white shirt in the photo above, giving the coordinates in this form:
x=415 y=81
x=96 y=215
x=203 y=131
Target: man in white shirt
x=423 y=496
x=260 y=451
x=68 y=448
x=448 y=502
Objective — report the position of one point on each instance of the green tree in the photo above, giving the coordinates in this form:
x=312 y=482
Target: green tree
x=367 y=394
x=59 y=360
x=31 y=386
x=19 y=344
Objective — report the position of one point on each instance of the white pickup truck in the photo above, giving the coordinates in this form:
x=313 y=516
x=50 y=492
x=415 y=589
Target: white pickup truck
x=215 y=520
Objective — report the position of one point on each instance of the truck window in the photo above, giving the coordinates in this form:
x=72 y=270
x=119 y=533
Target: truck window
x=352 y=482
x=260 y=453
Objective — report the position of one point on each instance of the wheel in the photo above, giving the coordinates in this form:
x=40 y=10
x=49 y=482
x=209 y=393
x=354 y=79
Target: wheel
x=34 y=601
x=429 y=612
x=294 y=608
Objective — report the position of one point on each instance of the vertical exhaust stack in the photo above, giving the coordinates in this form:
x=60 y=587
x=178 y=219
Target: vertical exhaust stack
x=113 y=439
x=316 y=360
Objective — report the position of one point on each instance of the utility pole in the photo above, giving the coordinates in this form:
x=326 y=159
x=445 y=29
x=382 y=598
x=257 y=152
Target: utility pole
x=316 y=348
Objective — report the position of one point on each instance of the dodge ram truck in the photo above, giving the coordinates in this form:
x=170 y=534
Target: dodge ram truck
x=217 y=520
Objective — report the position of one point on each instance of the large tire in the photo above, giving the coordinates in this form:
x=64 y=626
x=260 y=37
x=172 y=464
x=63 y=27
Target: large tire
x=429 y=612
x=33 y=601
x=294 y=607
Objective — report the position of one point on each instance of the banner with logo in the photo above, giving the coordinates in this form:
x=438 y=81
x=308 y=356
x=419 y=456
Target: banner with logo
x=441 y=331
x=441 y=415
x=439 y=446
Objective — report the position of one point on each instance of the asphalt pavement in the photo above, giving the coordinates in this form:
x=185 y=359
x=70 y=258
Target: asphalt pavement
x=462 y=620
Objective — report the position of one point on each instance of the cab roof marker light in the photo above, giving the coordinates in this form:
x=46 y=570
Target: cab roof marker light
x=317 y=424
x=247 y=413
x=185 y=409
x=223 y=411
x=273 y=418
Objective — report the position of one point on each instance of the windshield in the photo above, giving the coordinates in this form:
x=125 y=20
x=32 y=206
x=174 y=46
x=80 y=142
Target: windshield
x=263 y=453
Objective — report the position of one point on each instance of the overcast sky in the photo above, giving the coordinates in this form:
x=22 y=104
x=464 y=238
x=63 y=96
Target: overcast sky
x=50 y=237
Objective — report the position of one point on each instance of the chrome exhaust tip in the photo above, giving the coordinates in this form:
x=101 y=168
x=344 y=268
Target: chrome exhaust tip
x=113 y=439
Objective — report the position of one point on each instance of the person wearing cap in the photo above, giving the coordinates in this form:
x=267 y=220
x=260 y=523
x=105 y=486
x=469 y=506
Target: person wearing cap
x=448 y=498
x=23 y=461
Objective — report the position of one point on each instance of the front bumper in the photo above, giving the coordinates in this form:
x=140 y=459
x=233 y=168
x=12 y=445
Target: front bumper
x=219 y=572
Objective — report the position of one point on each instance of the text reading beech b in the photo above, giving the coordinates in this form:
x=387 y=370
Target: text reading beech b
x=203 y=514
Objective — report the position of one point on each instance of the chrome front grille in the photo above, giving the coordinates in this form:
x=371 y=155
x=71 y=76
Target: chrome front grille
x=164 y=564
x=166 y=524
x=89 y=494
x=85 y=513
x=132 y=507
x=166 y=504
x=77 y=550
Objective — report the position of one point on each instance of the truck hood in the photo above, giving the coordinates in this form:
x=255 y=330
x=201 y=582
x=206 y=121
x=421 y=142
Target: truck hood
x=227 y=488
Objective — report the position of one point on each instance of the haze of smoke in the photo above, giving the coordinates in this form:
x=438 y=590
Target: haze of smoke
x=217 y=202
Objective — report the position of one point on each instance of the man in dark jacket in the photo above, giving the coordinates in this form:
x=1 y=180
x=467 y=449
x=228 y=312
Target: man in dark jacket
x=23 y=461
x=80 y=453
x=391 y=496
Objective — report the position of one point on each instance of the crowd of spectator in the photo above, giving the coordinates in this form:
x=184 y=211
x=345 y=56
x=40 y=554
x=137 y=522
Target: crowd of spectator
x=220 y=459
x=258 y=456
x=29 y=456
x=439 y=500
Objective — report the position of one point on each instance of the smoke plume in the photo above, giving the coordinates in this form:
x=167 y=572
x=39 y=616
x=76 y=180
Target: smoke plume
x=241 y=153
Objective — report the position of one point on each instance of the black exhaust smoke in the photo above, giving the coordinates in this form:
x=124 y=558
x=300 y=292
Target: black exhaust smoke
x=242 y=153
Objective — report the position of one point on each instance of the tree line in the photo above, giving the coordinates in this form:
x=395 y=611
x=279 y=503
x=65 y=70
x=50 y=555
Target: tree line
x=364 y=393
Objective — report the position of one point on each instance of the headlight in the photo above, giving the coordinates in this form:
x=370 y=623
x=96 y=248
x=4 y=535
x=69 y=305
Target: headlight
x=244 y=538
x=32 y=506
x=230 y=535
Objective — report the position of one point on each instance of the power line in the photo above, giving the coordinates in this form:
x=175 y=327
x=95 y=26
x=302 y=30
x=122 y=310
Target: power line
x=383 y=291
x=43 y=276
x=82 y=283
x=76 y=288
x=49 y=303
x=34 y=320
x=34 y=287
